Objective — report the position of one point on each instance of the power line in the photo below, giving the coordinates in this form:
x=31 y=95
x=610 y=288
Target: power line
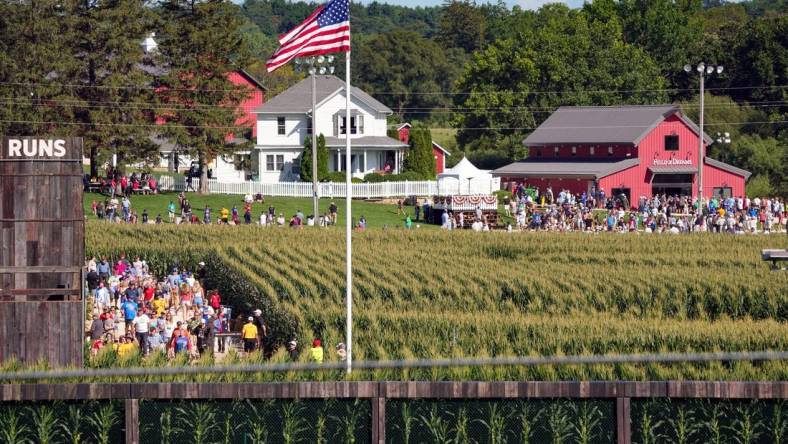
x=663 y=358
x=45 y=103
x=153 y=125
x=445 y=93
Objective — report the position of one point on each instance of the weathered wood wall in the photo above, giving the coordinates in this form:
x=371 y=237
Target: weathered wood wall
x=42 y=229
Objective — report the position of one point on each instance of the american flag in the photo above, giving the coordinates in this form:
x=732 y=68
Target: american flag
x=326 y=30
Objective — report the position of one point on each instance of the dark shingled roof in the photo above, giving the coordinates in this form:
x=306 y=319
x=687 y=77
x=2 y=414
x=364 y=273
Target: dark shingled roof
x=298 y=98
x=602 y=124
x=540 y=168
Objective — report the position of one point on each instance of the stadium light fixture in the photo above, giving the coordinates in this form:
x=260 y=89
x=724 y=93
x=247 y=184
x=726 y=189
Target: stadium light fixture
x=703 y=71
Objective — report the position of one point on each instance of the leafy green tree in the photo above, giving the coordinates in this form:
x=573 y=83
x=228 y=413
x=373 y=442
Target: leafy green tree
x=462 y=25
x=202 y=45
x=671 y=32
x=409 y=69
x=322 y=159
x=567 y=58
x=419 y=158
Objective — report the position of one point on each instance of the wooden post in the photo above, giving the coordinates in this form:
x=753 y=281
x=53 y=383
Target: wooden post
x=623 y=421
x=132 y=421
x=378 y=420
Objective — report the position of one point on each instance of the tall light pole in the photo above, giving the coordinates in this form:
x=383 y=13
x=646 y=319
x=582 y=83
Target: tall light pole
x=703 y=71
x=315 y=65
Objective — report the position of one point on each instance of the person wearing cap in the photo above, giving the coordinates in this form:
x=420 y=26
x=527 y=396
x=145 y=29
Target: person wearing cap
x=292 y=350
x=249 y=335
x=201 y=272
x=316 y=352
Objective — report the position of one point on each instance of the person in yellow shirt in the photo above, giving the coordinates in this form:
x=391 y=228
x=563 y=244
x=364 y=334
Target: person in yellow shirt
x=159 y=305
x=249 y=335
x=125 y=347
x=316 y=352
x=225 y=213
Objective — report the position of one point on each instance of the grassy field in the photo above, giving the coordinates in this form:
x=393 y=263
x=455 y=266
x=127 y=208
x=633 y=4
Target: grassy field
x=430 y=294
x=377 y=214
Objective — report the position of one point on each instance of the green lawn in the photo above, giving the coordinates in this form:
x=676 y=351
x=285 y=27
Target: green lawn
x=377 y=214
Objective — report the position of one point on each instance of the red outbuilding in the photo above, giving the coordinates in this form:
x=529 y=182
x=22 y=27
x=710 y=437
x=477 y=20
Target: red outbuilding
x=634 y=150
x=438 y=152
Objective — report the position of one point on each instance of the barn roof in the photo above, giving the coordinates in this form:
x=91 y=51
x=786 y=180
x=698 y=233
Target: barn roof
x=726 y=167
x=542 y=168
x=603 y=124
x=298 y=98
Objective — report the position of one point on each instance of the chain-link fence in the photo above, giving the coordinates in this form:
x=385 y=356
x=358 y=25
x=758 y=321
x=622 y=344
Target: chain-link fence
x=501 y=421
x=255 y=421
x=90 y=421
x=708 y=421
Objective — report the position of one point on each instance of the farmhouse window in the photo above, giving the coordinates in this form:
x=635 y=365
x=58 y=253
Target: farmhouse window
x=274 y=162
x=280 y=126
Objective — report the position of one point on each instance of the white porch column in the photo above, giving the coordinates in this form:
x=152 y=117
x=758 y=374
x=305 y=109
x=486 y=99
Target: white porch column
x=396 y=162
x=364 y=169
x=339 y=160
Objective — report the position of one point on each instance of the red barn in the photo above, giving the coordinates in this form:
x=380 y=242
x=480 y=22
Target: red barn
x=438 y=152
x=221 y=169
x=634 y=150
x=255 y=99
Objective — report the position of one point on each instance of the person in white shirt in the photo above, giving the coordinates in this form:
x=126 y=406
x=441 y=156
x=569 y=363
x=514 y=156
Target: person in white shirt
x=141 y=328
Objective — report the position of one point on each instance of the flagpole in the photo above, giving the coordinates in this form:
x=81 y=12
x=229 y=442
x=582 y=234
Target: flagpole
x=348 y=220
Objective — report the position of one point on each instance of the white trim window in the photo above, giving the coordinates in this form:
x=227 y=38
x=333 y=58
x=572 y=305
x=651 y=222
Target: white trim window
x=274 y=162
x=280 y=126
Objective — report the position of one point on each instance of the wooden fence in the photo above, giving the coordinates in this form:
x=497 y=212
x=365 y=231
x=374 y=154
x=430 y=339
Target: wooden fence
x=334 y=189
x=378 y=393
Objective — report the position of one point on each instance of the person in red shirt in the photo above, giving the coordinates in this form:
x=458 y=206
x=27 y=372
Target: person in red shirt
x=216 y=301
x=148 y=293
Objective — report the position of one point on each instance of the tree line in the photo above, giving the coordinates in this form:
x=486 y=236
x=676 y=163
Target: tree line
x=494 y=73
x=488 y=72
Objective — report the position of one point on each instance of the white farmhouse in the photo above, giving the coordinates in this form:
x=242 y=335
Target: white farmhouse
x=285 y=121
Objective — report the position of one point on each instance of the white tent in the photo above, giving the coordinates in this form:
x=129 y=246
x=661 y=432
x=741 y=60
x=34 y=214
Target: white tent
x=465 y=178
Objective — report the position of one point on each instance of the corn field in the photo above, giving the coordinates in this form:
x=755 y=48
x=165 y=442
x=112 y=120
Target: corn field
x=423 y=294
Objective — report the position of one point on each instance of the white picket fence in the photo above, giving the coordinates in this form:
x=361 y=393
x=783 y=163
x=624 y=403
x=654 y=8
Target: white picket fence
x=332 y=189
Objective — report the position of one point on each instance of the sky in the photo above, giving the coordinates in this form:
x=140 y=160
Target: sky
x=525 y=4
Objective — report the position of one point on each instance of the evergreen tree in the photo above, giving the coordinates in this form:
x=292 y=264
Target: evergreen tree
x=111 y=64
x=322 y=159
x=33 y=67
x=202 y=44
x=419 y=158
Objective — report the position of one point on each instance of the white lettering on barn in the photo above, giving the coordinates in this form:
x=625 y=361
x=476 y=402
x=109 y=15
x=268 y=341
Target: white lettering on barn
x=672 y=162
x=36 y=147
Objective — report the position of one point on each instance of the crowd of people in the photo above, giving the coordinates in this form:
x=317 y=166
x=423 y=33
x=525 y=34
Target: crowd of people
x=114 y=183
x=594 y=211
x=136 y=312
x=116 y=209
